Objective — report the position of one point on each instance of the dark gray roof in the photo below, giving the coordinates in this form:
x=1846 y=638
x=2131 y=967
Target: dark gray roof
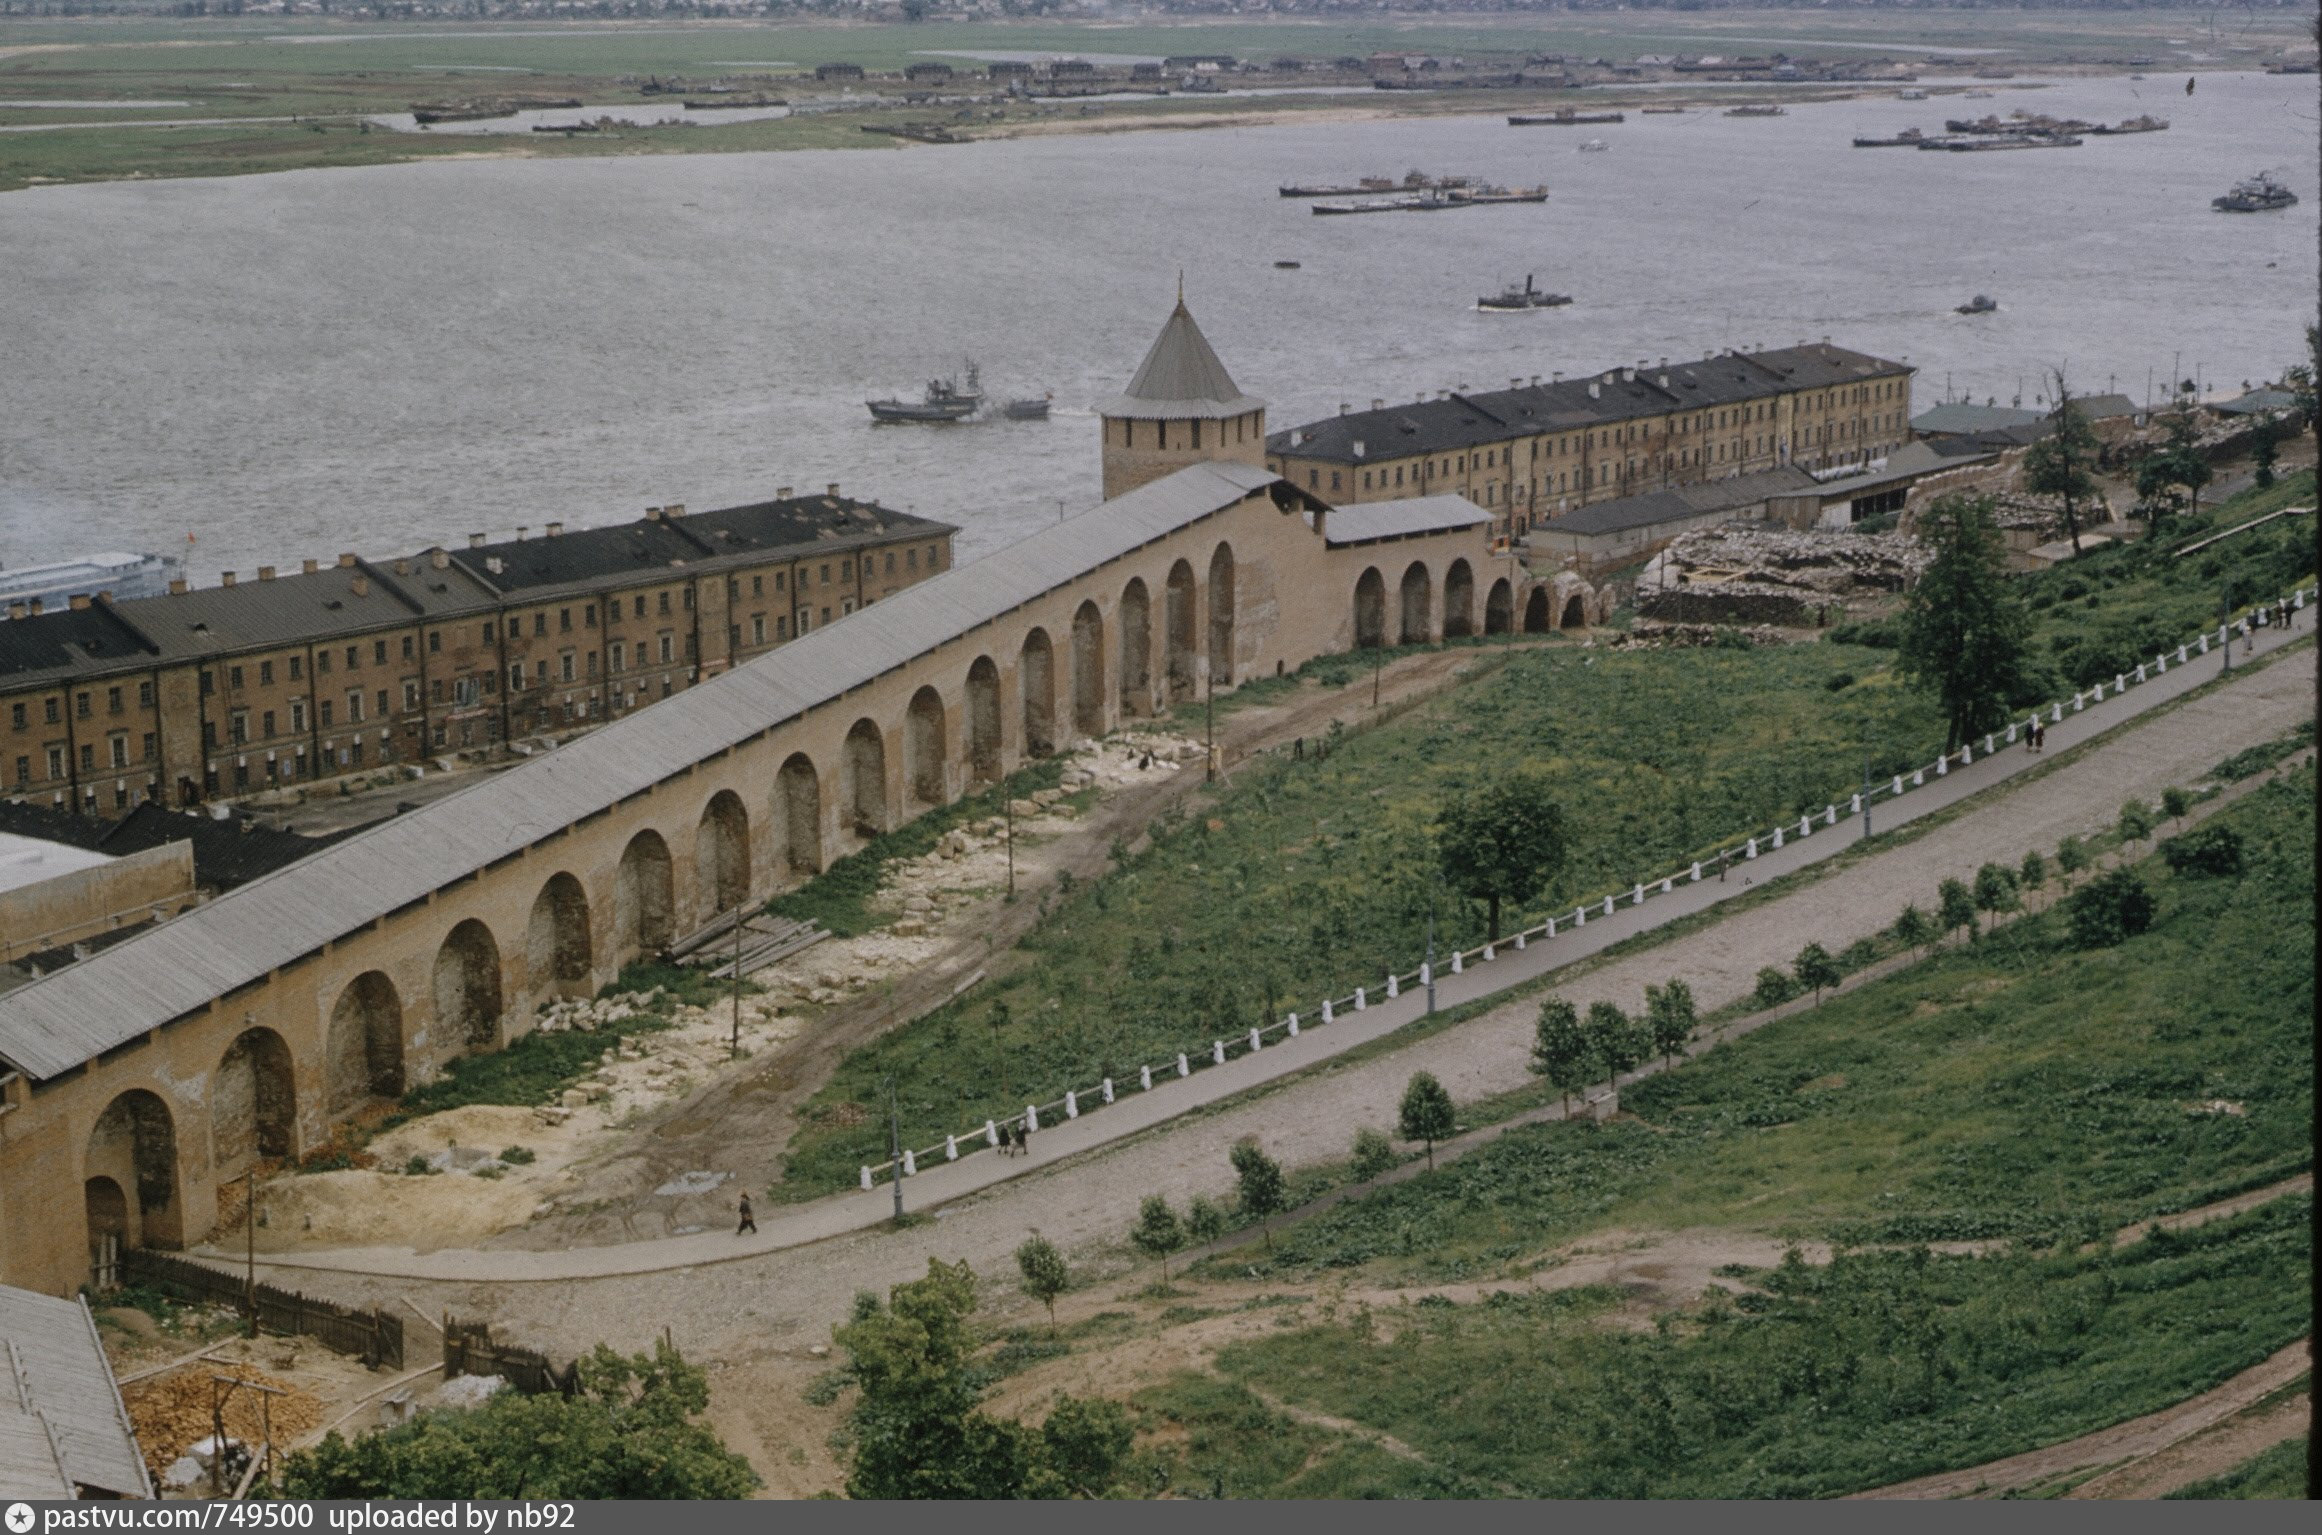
x=67 y=643
x=1372 y=520
x=1679 y=502
x=1620 y=394
x=61 y=1420
x=2103 y=407
x=1181 y=379
x=335 y=601
x=1962 y=416
x=1904 y=465
x=2257 y=401
x=68 y=1017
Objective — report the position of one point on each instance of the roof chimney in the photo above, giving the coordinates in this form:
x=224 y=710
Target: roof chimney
x=555 y=528
x=177 y=586
x=1664 y=381
x=79 y=601
x=265 y=572
x=1344 y=407
x=1297 y=437
x=1556 y=377
x=781 y=492
x=523 y=528
x=307 y=566
x=1535 y=381
x=36 y=607
x=225 y=578
x=402 y=568
x=677 y=508
x=347 y=561
x=439 y=559
x=475 y=540
x=19 y=610
x=360 y=586
x=1378 y=404
x=831 y=489
x=1515 y=383
x=1628 y=375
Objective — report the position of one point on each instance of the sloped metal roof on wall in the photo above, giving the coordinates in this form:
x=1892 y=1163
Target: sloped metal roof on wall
x=61 y=1419
x=1369 y=520
x=112 y=997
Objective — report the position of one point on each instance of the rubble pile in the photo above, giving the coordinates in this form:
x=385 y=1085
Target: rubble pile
x=604 y=1012
x=1743 y=574
x=2042 y=517
x=171 y=1415
x=1648 y=634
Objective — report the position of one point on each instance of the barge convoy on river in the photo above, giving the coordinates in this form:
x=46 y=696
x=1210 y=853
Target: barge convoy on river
x=2019 y=130
x=1478 y=195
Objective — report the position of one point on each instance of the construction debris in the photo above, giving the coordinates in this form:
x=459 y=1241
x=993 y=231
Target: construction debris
x=172 y=1413
x=1742 y=574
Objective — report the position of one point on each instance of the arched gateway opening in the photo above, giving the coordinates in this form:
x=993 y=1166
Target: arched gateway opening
x=863 y=794
x=1499 y=609
x=1180 y=604
x=1370 y=610
x=1088 y=671
x=1418 y=604
x=923 y=746
x=1221 y=617
x=1536 y=611
x=1458 y=601
x=1136 y=651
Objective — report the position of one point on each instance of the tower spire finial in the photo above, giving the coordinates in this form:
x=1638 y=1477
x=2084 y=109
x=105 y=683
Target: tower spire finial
x=1181 y=287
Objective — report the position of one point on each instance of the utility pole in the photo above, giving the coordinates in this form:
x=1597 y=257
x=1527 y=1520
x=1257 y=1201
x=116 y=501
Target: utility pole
x=1866 y=793
x=734 y=1050
x=2225 y=623
x=1010 y=800
x=1431 y=944
x=1378 y=664
x=1209 y=730
x=250 y=1254
x=895 y=1149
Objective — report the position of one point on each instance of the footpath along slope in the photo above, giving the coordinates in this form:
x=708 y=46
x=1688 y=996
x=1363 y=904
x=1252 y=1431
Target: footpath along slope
x=1314 y=1119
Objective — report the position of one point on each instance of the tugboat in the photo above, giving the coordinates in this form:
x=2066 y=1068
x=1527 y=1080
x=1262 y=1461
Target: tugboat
x=945 y=401
x=1908 y=138
x=1980 y=304
x=1028 y=410
x=1516 y=300
x=2260 y=194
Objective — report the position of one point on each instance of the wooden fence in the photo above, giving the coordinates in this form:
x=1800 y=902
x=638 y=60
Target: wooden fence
x=374 y=1336
x=468 y=1349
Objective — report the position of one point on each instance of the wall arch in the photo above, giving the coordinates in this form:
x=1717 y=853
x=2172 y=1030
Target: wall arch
x=863 y=785
x=1036 y=679
x=1575 y=613
x=1418 y=604
x=365 y=1048
x=1136 y=621
x=721 y=854
x=983 y=720
x=467 y=985
x=798 y=816
x=924 y=750
x=253 y=1104
x=1370 y=610
x=558 y=952
x=1536 y=611
x=133 y=1148
x=1181 y=603
x=644 y=899
x=1088 y=670
x=1499 y=608
x=1458 y=601
x=1221 y=616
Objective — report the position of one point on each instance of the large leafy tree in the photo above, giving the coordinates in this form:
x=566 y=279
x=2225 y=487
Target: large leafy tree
x=1503 y=843
x=628 y=1433
x=1964 y=630
x=2059 y=464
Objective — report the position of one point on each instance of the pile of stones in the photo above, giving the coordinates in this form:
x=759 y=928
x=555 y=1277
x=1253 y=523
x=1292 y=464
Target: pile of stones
x=604 y=1012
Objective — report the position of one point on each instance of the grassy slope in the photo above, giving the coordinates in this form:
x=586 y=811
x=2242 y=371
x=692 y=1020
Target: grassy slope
x=2276 y=1473
x=2015 y=1087
x=1306 y=877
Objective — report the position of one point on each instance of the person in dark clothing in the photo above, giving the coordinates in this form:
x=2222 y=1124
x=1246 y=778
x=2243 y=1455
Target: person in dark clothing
x=748 y=1225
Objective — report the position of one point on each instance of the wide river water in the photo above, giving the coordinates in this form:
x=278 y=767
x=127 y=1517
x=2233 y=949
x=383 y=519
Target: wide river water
x=378 y=359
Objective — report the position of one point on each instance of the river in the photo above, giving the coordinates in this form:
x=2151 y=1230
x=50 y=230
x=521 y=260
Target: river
x=378 y=359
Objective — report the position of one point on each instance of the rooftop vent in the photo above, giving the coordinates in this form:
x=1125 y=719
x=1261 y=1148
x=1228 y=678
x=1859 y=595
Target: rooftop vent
x=347 y=561
x=1344 y=407
x=677 y=509
x=19 y=610
x=1595 y=390
x=79 y=601
x=439 y=559
x=781 y=492
x=225 y=578
x=402 y=568
x=265 y=572
x=555 y=528
x=1358 y=447
x=495 y=565
x=475 y=540
x=831 y=489
x=1378 y=404
x=176 y=588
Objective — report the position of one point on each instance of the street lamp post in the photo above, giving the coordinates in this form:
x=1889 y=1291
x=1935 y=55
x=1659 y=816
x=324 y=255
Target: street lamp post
x=895 y=1149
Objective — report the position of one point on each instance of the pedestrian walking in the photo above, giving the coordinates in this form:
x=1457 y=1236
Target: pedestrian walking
x=2039 y=736
x=748 y=1227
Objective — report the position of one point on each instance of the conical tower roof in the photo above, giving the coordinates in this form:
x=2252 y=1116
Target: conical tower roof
x=1181 y=379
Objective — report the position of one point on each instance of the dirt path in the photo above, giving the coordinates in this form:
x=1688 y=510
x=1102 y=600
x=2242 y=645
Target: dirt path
x=746 y=1118
x=2212 y=1452
x=2137 y=1441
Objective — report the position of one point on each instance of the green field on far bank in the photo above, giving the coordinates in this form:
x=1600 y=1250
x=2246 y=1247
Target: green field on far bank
x=2017 y=1089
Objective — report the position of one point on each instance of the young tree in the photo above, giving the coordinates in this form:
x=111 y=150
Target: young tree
x=1045 y=1274
x=1670 y=1018
x=1560 y=1048
x=2136 y=822
x=1616 y=1040
x=2109 y=909
x=1373 y=1154
x=1954 y=908
x=1503 y=843
x=1995 y=890
x=1912 y=929
x=917 y=1432
x=2175 y=802
x=1204 y=1221
x=1964 y=629
x=2071 y=858
x=1261 y=1185
x=2033 y=871
x=2187 y=466
x=629 y=1433
x=1427 y=1114
x=2059 y=463
x=1816 y=970
x=2264 y=450
x=1774 y=986
x=1157 y=1233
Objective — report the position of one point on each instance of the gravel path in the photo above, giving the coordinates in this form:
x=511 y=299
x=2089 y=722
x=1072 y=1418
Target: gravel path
x=736 y=1312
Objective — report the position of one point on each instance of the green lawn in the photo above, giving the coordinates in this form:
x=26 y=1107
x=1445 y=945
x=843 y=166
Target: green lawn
x=1302 y=878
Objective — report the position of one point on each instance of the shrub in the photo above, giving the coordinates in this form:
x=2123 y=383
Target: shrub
x=2212 y=853
x=2175 y=802
x=1373 y=1154
x=519 y=1156
x=2136 y=822
x=1955 y=907
x=2109 y=909
x=1880 y=636
x=1774 y=987
x=1204 y=1220
x=1858 y=955
x=1839 y=682
x=1912 y=929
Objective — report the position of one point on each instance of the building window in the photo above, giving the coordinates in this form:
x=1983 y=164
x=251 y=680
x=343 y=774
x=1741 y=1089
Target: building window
x=846 y=570
x=592 y=664
x=781 y=577
x=410 y=695
x=266 y=726
x=88 y=757
x=488 y=628
x=23 y=771
x=434 y=642
x=540 y=623
x=16 y=717
x=661 y=600
x=516 y=677
x=565 y=661
x=239 y=730
x=665 y=649
x=619 y=658
x=544 y=671
x=564 y=620
x=781 y=627
x=119 y=746
x=640 y=604
x=56 y=762
x=589 y=616
x=298 y=716
x=322 y=662
x=689 y=599
x=758 y=629
x=354 y=657
x=81 y=705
